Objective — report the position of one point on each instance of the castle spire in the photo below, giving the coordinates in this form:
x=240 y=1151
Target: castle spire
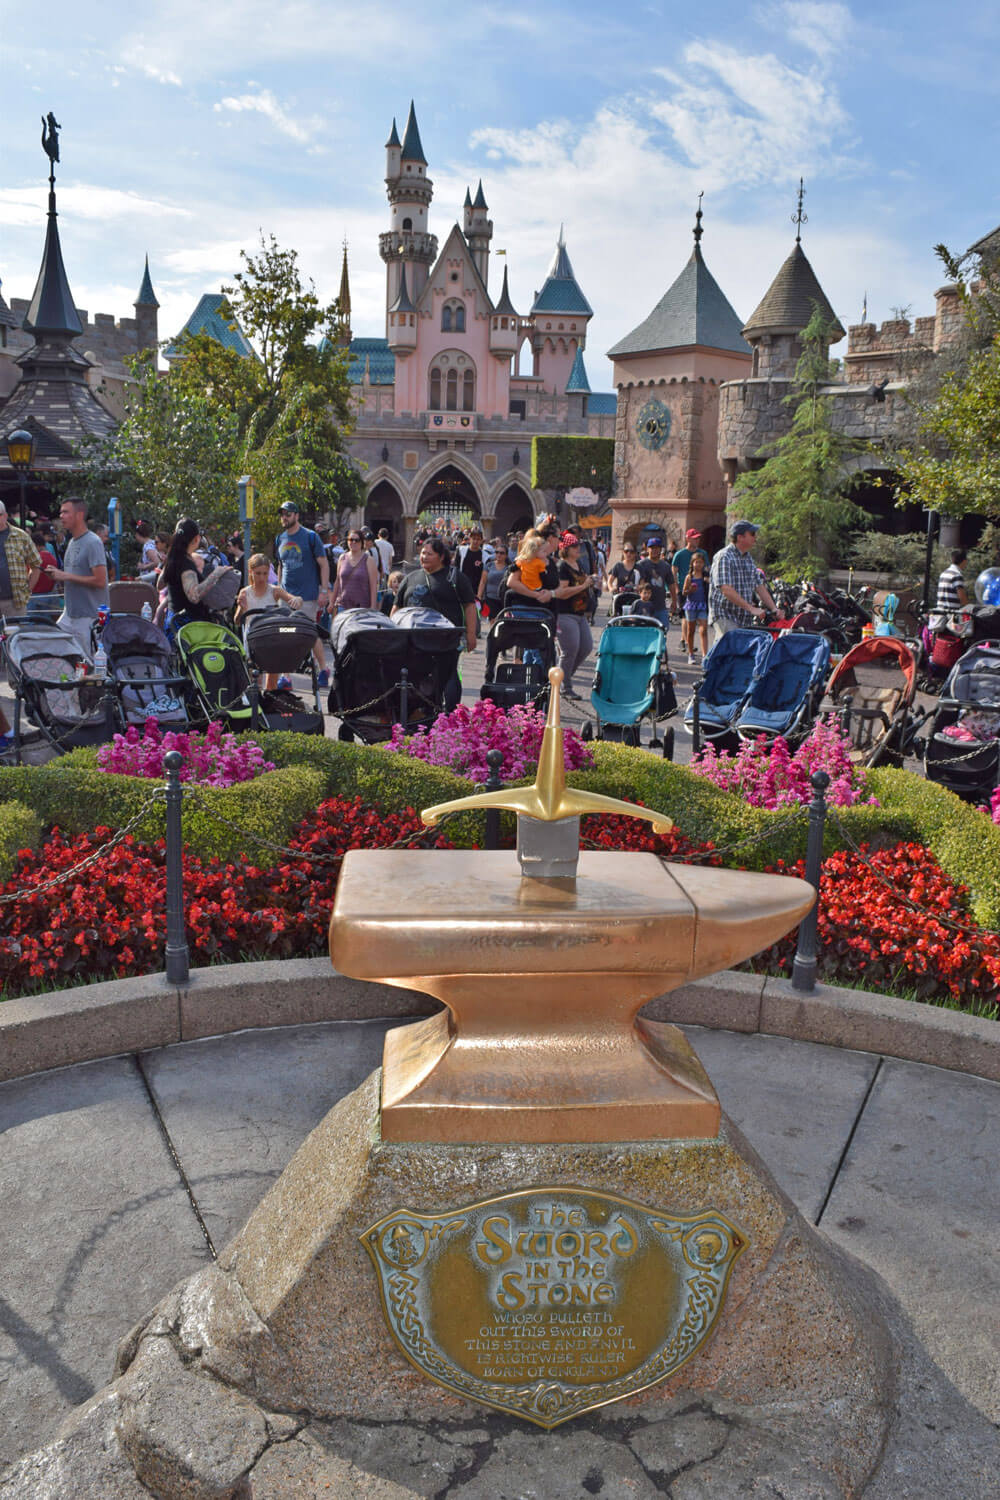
x=698 y=231
x=52 y=311
x=798 y=217
x=344 y=296
x=146 y=296
x=412 y=149
x=393 y=135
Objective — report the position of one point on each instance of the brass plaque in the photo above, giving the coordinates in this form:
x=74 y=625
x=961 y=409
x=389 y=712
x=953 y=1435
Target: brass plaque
x=549 y=1302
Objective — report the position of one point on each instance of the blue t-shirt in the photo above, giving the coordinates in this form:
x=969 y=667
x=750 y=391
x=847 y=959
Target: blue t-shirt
x=297 y=556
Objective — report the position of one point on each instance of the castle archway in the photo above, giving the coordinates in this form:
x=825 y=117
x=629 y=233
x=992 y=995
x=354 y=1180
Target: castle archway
x=514 y=510
x=448 y=493
x=384 y=507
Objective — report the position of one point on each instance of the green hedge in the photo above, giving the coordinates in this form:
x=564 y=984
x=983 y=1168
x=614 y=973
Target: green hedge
x=78 y=797
x=20 y=828
x=74 y=794
x=566 y=463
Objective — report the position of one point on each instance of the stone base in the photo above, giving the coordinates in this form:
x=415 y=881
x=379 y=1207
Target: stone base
x=273 y=1374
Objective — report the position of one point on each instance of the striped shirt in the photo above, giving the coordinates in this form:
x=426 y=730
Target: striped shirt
x=738 y=571
x=949 y=583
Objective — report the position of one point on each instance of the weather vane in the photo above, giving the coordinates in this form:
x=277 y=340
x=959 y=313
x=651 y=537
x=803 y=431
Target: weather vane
x=50 y=143
x=798 y=217
x=698 y=231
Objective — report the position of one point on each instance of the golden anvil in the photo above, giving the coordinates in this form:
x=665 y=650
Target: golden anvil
x=544 y=974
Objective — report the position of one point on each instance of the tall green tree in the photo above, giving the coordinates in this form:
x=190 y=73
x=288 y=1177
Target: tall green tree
x=291 y=401
x=954 y=465
x=175 y=454
x=797 y=495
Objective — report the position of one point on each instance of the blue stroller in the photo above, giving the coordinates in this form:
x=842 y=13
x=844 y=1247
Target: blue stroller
x=786 y=693
x=632 y=682
x=731 y=668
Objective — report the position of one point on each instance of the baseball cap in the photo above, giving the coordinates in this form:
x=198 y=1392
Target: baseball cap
x=738 y=528
x=691 y=533
x=655 y=541
x=290 y=505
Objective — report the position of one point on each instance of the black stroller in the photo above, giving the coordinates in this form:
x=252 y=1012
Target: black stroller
x=390 y=671
x=280 y=641
x=49 y=673
x=962 y=750
x=139 y=666
x=510 y=684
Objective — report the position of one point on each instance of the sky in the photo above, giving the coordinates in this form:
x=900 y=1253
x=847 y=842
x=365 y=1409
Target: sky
x=190 y=129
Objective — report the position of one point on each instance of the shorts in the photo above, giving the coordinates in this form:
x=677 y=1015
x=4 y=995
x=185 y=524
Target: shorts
x=695 y=612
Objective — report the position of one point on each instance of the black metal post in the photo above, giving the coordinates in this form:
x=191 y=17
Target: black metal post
x=925 y=604
x=404 y=698
x=23 y=507
x=177 y=948
x=491 y=836
x=804 y=967
x=696 y=720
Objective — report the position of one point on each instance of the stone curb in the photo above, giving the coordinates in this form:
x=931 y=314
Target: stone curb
x=134 y=1015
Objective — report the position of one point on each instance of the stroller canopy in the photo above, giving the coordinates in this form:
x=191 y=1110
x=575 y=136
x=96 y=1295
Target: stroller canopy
x=730 y=670
x=631 y=654
x=128 y=634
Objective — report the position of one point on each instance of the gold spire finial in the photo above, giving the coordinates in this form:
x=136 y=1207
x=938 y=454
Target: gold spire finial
x=549 y=799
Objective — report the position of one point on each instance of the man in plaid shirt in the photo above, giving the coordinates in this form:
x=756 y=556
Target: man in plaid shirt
x=735 y=581
x=20 y=566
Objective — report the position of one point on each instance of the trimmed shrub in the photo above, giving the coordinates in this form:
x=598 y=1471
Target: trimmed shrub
x=20 y=828
x=77 y=797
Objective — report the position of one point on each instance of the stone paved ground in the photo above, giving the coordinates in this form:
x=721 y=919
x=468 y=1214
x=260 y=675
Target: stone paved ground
x=119 y=1178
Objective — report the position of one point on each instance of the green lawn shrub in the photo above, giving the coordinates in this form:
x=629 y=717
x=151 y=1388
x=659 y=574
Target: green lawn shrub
x=20 y=828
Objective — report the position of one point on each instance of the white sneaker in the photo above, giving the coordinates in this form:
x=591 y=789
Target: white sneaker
x=692 y=660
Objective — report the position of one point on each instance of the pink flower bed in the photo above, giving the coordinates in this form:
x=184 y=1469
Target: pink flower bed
x=771 y=776
x=212 y=758
x=460 y=740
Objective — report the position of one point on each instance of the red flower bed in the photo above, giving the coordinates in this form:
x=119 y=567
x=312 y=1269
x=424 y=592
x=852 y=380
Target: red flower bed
x=895 y=921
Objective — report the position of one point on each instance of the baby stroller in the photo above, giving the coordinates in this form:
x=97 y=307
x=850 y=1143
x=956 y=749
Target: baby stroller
x=731 y=668
x=785 y=695
x=219 y=673
x=47 y=671
x=962 y=750
x=390 y=671
x=280 y=641
x=632 y=682
x=139 y=665
x=511 y=683
x=872 y=690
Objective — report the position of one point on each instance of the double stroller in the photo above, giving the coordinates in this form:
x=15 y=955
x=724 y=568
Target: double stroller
x=390 y=671
x=755 y=686
x=531 y=634
x=632 y=681
x=962 y=748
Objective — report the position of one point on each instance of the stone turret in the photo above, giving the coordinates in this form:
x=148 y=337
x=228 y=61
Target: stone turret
x=774 y=327
x=146 y=309
x=479 y=232
x=407 y=244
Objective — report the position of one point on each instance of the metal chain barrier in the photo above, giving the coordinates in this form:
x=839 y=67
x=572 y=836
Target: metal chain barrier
x=91 y=858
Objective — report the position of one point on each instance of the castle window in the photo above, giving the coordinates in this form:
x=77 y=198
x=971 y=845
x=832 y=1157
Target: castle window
x=435 y=393
x=451 y=396
x=407 y=223
x=446 y=318
x=756 y=361
x=468 y=391
x=453 y=317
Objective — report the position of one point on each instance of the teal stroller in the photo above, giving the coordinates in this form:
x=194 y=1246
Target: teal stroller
x=632 y=682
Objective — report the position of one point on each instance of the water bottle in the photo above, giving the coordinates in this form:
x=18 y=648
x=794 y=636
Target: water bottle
x=147 y=611
x=100 y=662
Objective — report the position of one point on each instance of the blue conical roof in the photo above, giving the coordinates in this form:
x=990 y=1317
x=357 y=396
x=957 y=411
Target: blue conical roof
x=480 y=199
x=412 y=149
x=393 y=135
x=505 y=306
x=560 y=292
x=578 y=383
x=694 y=311
x=146 y=297
x=403 y=302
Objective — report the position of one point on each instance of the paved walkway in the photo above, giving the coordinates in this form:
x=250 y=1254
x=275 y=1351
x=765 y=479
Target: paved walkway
x=119 y=1178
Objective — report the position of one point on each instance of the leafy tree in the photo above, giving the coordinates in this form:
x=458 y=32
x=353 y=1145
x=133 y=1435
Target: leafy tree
x=175 y=454
x=290 y=402
x=797 y=494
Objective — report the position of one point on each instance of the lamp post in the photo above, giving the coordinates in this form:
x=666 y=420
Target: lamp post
x=21 y=456
x=247 y=495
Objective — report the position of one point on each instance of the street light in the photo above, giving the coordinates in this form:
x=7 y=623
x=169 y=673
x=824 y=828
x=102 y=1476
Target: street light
x=21 y=456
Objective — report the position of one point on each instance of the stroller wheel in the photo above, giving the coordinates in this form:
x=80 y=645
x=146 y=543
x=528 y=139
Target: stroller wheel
x=587 y=732
x=631 y=735
x=668 y=744
x=346 y=734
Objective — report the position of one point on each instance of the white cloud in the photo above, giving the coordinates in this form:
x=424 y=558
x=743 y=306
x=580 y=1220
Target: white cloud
x=264 y=103
x=24 y=208
x=821 y=26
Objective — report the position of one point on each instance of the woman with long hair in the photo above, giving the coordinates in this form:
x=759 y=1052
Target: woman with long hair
x=185 y=575
x=356 y=584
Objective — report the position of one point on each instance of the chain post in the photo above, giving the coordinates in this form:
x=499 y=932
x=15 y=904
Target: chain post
x=176 y=956
x=494 y=783
x=804 y=967
x=404 y=698
x=696 y=719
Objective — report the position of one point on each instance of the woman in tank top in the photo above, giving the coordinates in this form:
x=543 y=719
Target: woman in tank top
x=356 y=585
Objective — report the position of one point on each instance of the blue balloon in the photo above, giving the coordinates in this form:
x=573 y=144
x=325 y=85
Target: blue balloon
x=988 y=586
